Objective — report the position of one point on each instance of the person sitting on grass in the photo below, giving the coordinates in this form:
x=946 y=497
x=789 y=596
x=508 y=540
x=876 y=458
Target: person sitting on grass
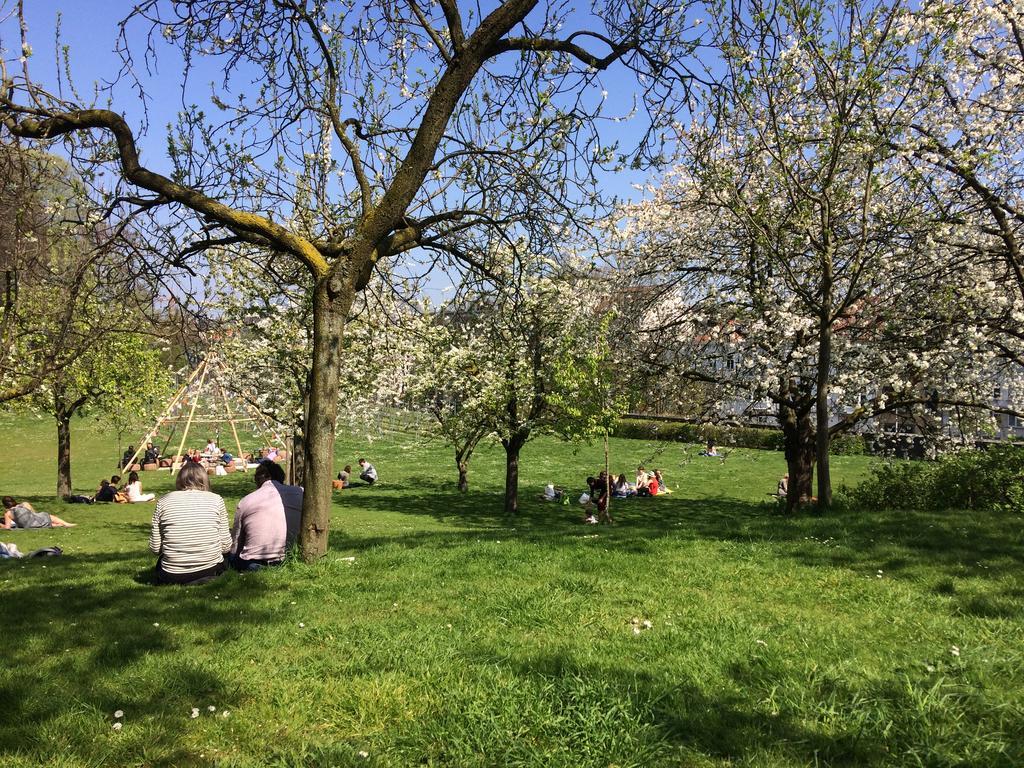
x=105 y=492
x=291 y=496
x=127 y=457
x=24 y=515
x=643 y=482
x=189 y=533
x=621 y=489
x=551 y=493
x=662 y=488
x=260 y=534
x=600 y=498
x=152 y=455
x=134 y=490
x=782 y=491
x=345 y=476
x=710 y=450
x=369 y=473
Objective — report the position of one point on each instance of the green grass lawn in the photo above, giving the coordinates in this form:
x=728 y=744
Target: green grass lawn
x=438 y=632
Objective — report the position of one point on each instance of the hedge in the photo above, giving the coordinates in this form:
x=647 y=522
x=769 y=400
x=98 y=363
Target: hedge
x=737 y=437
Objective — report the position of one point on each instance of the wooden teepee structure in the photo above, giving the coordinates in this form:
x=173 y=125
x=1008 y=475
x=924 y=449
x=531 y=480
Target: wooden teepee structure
x=206 y=385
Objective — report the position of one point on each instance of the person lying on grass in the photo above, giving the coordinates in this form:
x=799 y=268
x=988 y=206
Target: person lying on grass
x=189 y=532
x=24 y=515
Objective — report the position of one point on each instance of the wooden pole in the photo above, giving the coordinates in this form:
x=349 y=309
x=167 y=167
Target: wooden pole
x=184 y=436
x=166 y=414
x=231 y=420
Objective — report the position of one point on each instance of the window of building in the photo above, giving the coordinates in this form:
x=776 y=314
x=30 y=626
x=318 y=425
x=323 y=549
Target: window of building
x=997 y=393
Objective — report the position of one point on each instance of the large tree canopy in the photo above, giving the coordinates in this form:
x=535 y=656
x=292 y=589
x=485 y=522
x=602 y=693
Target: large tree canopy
x=349 y=133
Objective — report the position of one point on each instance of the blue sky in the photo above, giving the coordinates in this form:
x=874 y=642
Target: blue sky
x=89 y=28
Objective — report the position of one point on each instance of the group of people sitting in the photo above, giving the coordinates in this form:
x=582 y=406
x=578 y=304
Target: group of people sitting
x=368 y=474
x=112 y=491
x=150 y=456
x=190 y=533
x=211 y=456
x=647 y=484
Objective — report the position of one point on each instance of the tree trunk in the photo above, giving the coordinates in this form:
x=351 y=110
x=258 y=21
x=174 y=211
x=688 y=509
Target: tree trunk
x=607 y=480
x=821 y=417
x=331 y=302
x=63 y=454
x=298 y=455
x=798 y=436
x=463 y=472
x=512 y=447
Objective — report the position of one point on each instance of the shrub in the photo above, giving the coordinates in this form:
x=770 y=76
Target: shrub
x=684 y=432
x=991 y=480
x=846 y=444
x=739 y=437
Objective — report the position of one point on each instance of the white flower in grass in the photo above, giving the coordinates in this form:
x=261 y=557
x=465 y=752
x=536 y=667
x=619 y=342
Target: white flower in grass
x=156 y=624
x=363 y=753
x=116 y=726
x=955 y=650
x=119 y=714
x=225 y=713
x=301 y=624
x=636 y=630
x=195 y=713
x=647 y=624
x=211 y=708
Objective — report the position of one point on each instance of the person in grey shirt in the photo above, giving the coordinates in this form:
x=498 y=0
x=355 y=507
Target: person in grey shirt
x=369 y=473
x=24 y=515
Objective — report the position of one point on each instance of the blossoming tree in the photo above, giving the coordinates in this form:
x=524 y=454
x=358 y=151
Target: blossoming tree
x=348 y=135
x=792 y=260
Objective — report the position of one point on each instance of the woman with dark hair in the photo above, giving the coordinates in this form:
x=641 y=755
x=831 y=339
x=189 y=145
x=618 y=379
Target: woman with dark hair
x=24 y=515
x=190 y=530
x=134 y=489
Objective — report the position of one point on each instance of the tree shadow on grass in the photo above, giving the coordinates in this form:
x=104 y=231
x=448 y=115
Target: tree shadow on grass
x=81 y=634
x=955 y=545
x=754 y=716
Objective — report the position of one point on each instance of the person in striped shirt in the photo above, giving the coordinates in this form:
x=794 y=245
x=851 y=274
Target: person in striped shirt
x=190 y=530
